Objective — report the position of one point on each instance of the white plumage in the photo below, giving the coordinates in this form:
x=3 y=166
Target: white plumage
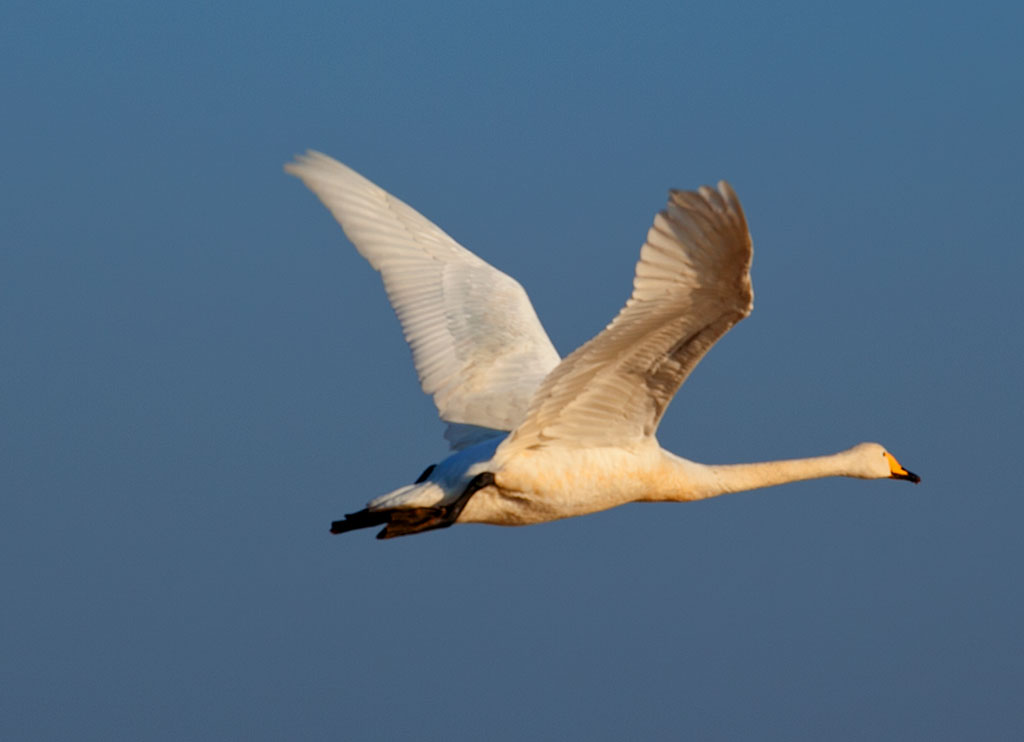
x=537 y=438
x=477 y=344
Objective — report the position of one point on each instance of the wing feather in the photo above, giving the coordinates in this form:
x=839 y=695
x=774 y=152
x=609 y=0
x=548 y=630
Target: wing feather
x=692 y=284
x=476 y=342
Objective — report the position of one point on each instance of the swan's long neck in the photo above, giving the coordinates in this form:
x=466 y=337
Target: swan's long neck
x=690 y=481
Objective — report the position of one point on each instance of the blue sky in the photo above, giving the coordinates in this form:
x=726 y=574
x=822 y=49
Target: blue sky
x=200 y=373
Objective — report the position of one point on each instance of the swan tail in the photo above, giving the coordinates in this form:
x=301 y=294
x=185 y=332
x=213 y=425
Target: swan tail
x=403 y=521
x=363 y=519
x=396 y=522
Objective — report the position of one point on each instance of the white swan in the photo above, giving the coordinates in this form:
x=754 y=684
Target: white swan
x=537 y=438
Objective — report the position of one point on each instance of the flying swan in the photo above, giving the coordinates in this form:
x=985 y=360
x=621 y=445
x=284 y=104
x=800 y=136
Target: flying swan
x=536 y=437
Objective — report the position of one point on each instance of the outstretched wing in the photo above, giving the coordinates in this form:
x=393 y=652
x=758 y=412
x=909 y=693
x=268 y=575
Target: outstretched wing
x=477 y=344
x=692 y=284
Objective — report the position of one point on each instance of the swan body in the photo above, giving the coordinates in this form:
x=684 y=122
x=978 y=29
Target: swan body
x=536 y=437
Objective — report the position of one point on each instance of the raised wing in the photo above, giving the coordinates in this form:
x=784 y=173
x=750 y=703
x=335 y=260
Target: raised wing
x=477 y=344
x=692 y=284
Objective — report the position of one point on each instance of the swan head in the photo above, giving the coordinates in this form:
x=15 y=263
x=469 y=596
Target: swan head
x=873 y=461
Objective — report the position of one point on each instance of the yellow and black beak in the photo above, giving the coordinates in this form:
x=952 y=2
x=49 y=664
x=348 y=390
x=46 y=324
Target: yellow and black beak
x=898 y=472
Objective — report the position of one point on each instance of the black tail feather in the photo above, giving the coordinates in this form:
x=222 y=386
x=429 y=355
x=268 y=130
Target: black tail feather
x=404 y=521
x=397 y=522
x=362 y=519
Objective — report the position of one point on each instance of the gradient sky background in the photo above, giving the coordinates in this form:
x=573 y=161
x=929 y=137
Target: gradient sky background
x=199 y=373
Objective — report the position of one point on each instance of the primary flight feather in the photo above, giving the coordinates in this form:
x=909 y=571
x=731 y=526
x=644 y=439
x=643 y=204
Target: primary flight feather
x=537 y=438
